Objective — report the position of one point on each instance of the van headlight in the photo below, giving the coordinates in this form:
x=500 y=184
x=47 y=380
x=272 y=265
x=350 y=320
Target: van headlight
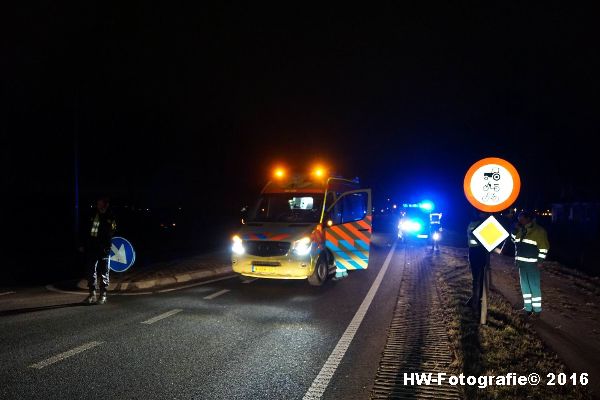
x=303 y=246
x=410 y=226
x=237 y=246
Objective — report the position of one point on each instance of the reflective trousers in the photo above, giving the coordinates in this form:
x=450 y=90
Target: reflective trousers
x=529 y=275
x=97 y=264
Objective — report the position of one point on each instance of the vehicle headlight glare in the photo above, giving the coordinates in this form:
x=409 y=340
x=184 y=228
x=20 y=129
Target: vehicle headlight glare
x=238 y=245
x=410 y=226
x=303 y=246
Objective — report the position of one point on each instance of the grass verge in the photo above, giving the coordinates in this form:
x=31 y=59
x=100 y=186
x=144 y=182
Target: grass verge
x=506 y=344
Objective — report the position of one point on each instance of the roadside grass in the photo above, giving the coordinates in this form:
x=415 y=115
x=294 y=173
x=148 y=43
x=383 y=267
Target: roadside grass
x=506 y=344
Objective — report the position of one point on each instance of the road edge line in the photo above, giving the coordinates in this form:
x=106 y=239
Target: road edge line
x=320 y=383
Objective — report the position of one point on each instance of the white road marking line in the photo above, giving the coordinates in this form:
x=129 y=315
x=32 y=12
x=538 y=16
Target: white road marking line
x=129 y=294
x=320 y=383
x=196 y=284
x=250 y=280
x=66 y=354
x=110 y=293
x=217 y=294
x=5 y=293
x=52 y=288
x=162 y=316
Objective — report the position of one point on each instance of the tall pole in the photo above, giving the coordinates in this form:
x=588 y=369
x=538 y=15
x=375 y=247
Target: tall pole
x=485 y=291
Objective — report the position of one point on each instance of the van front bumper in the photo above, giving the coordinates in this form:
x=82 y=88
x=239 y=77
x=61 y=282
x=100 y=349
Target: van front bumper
x=285 y=267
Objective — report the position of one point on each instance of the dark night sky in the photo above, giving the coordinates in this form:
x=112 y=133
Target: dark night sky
x=174 y=102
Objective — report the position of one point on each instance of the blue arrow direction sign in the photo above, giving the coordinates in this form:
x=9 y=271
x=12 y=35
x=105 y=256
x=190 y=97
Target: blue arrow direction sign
x=122 y=255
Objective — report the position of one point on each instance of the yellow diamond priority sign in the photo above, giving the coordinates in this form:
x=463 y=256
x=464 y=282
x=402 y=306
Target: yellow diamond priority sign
x=490 y=233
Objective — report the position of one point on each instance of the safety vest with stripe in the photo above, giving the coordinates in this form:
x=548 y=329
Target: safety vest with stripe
x=531 y=244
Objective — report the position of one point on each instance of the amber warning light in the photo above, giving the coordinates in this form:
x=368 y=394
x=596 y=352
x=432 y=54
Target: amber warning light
x=319 y=172
x=279 y=173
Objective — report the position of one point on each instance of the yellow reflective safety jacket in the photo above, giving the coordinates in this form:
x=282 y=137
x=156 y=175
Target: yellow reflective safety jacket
x=531 y=244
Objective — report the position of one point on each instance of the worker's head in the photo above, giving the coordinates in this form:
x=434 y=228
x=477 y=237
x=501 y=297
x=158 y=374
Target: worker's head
x=102 y=204
x=525 y=217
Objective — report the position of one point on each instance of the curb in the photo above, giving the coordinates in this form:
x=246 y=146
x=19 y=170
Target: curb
x=201 y=274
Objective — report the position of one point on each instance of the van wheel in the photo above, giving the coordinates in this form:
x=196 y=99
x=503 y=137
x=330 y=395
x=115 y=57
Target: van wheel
x=319 y=276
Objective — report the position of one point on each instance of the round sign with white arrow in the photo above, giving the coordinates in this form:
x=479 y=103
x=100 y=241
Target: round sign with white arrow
x=122 y=255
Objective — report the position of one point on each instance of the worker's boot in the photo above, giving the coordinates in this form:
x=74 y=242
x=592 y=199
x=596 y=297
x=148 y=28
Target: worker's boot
x=102 y=299
x=535 y=315
x=91 y=299
x=526 y=311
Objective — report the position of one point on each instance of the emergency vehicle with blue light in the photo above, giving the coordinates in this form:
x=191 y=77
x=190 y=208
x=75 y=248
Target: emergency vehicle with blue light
x=309 y=226
x=416 y=220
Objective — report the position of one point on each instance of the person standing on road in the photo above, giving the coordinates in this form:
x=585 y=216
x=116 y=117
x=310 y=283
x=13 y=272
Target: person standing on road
x=97 y=249
x=435 y=231
x=531 y=249
x=479 y=258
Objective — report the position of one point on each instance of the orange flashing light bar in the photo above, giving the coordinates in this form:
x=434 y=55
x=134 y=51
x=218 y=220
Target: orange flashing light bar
x=279 y=173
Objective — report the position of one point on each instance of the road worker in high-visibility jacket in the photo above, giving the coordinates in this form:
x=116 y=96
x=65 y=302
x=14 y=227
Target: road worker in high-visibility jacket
x=531 y=250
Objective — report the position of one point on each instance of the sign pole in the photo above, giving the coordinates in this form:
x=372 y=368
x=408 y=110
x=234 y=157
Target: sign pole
x=490 y=185
x=484 y=294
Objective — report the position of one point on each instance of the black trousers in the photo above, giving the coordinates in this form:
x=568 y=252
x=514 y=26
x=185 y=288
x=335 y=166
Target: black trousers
x=97 y=264
x=479 y=257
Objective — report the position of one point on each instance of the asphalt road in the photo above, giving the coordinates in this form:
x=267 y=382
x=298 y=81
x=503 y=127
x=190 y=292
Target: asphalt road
x=230 y=339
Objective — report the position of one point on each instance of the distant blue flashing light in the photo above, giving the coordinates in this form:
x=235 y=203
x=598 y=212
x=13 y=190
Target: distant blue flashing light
x=426 y=206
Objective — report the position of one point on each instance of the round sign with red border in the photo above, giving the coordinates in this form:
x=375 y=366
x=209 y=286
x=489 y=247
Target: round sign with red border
x=492 y=184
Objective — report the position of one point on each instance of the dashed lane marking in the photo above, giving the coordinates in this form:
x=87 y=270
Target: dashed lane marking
x=250 y=280
x=5 y=293
x=162 y=316
x=217 y=294
x=196 y=284
x=66 y=354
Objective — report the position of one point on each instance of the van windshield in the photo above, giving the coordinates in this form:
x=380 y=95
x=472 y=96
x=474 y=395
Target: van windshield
x=287 y=207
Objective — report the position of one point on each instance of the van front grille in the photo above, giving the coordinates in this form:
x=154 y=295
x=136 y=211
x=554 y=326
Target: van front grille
x=266 y=264
x=266 y=248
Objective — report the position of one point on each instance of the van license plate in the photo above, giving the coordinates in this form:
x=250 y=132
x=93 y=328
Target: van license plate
x=263 y=269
